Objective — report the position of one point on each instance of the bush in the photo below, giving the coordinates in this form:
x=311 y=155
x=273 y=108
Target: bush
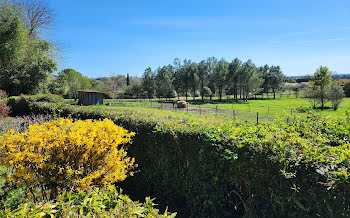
x=4 y=110
x=63 y=154
x=20 y=104
x=336 y=96
x=204 y=166
x=98 y=203
x=3 y=94
x=347 y=89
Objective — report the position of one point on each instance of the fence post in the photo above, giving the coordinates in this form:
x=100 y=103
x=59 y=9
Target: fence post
x=216 y=111
x=257 y=118
x=233 y=113
x=291 y=111
x=200 y=110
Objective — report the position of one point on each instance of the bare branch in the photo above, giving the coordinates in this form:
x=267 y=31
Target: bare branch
x=38 y=16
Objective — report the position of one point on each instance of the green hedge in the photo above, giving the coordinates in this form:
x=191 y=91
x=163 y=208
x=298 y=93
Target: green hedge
x=20 y=104
x=207 y=167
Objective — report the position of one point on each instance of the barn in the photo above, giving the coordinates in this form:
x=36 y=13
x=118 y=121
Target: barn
x=90 y=97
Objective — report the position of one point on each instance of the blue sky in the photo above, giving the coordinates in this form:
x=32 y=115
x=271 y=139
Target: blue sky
x=109 y=37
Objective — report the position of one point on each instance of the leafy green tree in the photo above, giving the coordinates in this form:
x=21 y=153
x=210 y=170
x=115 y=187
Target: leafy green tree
x=264 y=72
x=347 y=89
x=211 y=63
x=148 y=84
x=235 y=68
x=73 y=81
x=276 y=79
x=247 y=78
x=163 y=81
x=220 y=75
x=206 y=91
x=336 y=96
x=127 y=80
x=25 y=60
x=194 y=78
x=203 y=76
x=177 y=76
x=321 y=80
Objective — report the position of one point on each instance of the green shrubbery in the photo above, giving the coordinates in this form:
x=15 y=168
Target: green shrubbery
x=97 y=203
x=20 y=104
x=216 y=168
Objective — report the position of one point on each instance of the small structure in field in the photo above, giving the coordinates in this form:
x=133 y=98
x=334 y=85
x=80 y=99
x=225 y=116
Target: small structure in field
x=90 y=97
x=181 y=104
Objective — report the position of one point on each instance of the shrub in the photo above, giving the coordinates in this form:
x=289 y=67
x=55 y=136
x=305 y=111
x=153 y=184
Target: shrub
x=21 y=124
x=63 y=154
x=206 y=166
x=4 y=110
x=98 y=203
x=347 y=89
x=336 y=96
x=3 y=94
x=20 y=104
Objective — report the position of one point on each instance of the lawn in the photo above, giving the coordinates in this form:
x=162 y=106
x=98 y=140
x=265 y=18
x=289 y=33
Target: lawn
x=268 y=109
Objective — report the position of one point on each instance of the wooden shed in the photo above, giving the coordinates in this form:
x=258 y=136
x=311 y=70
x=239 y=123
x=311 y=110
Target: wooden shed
x=90 y=97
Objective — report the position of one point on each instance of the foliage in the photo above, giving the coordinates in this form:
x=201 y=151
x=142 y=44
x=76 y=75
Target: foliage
x=336 y=96
x=19 y=104
x=148 y=83
x=347 y=89
x=21 y=124
x=3 y=94
x=71 y=81
x=97 y=203
x=4 y=110
x=26 y=60
x=214 y=167
x=63 y=154
x=321 y=81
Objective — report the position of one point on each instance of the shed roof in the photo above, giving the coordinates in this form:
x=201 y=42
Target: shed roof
x=88 y=91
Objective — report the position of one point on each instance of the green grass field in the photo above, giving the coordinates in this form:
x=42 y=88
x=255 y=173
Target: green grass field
x=268 y=108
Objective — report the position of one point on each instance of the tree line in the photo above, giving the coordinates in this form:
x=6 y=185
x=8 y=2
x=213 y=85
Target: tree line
x=212 y=77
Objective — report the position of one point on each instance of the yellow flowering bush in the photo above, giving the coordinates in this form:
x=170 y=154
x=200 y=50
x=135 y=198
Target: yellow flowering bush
x=65 y=154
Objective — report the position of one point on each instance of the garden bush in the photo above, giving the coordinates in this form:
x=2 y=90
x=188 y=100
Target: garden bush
x=96 y=203
x=4 y=110
x=65 y=155
x=214 y=167
x=20 y=104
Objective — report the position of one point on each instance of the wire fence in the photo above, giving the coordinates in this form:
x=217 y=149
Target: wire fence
x=197 y=108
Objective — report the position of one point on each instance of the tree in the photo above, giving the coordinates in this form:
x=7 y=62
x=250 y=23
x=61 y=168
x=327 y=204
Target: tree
x=127 y=80
x=207 y=92
x=37 y=15
x=26 y=60
x=336 y=96
x=276 y=79
x=220 y=75
x=347 y=89
x=203 y=76
x=148 y=84
x=194 y=78
x=186 y=77
x=72 y=81
x=321 y=81
x=235 y=68
x=163 y=81
x=265 y=75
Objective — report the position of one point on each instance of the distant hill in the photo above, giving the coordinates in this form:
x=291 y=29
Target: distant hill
x=308 y=78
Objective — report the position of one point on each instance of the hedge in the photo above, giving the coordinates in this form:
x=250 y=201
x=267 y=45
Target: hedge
x=207 y=167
